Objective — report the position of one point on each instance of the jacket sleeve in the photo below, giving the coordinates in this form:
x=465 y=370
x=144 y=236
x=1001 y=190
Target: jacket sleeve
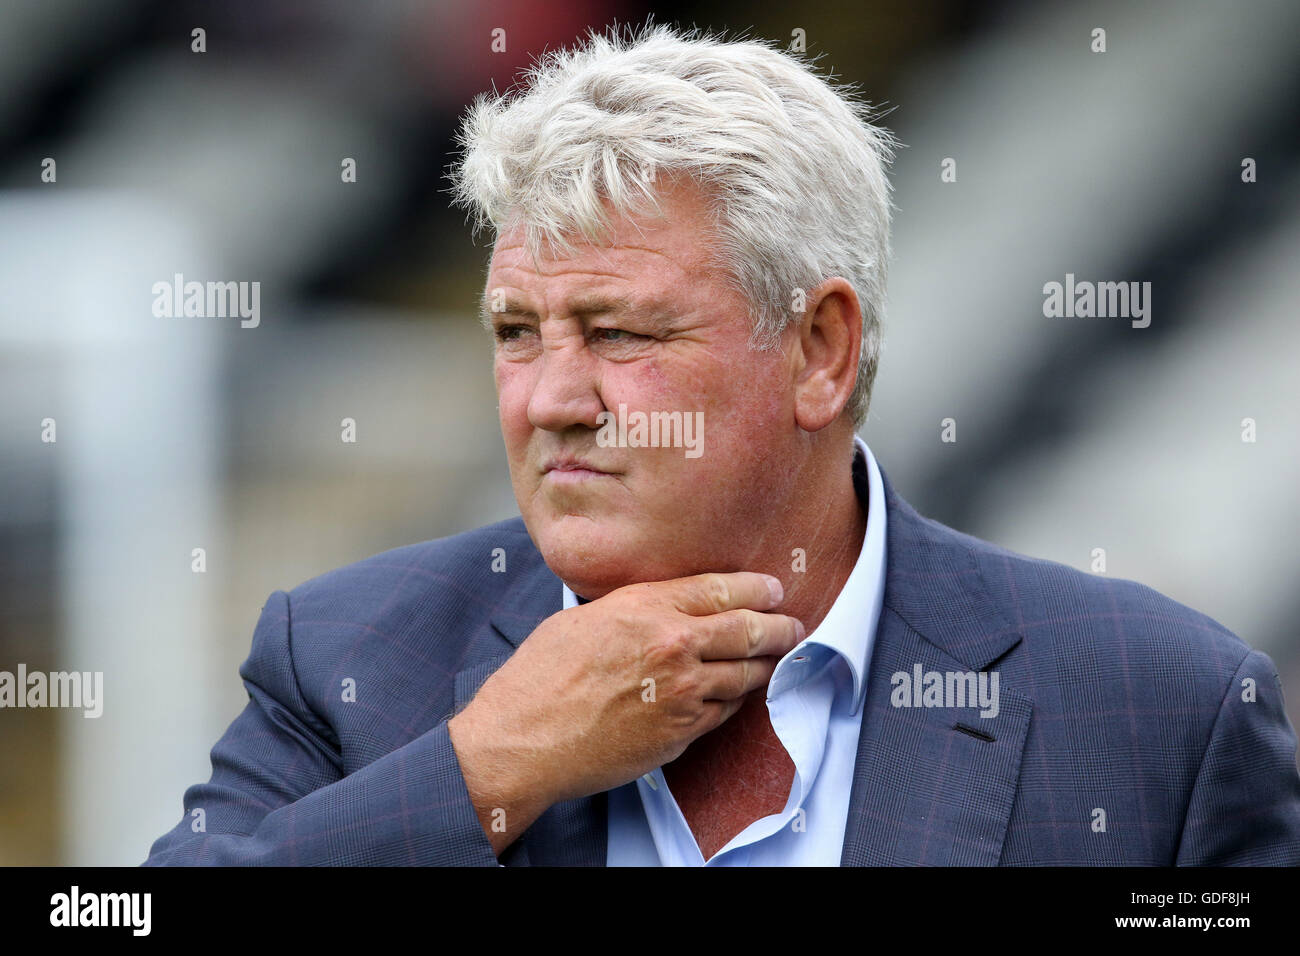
x=1245 y=804
x=278 y=795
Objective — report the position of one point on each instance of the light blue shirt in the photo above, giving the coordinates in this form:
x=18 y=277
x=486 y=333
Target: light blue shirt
x=815 y=705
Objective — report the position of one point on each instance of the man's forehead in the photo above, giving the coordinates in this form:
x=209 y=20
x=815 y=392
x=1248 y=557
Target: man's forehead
x=680 y=234
x=593 y=279
x=618 y=257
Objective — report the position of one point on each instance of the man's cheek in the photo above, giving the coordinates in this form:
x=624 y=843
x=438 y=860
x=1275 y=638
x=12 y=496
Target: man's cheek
x=503 y=376
x=512 y=397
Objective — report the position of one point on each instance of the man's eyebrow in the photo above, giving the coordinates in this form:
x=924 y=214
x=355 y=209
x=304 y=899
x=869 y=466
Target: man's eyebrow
x=583 y=306
x=485 y=312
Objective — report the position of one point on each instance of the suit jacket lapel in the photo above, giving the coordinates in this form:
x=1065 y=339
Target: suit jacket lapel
x=933 y=786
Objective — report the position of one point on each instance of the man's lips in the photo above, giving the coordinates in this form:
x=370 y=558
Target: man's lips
x=573 y=469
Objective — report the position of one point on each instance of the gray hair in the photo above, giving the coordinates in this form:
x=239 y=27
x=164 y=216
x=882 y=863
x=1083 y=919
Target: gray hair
x=791 y=160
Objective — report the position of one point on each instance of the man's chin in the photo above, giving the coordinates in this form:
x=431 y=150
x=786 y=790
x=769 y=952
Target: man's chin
x=593 y=560
x=593 y=576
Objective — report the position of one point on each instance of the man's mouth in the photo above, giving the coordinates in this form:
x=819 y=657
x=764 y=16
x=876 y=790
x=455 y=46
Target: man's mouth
x=569 y=469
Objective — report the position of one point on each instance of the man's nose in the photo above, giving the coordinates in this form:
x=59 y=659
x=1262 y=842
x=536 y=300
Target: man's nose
x=565 y=391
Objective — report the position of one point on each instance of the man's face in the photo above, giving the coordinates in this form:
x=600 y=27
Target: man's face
x=644 y=323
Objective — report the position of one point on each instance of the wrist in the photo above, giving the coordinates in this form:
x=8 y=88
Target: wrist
x=507 y=794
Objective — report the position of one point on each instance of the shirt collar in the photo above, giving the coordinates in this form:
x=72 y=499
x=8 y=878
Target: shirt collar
x=849 y=627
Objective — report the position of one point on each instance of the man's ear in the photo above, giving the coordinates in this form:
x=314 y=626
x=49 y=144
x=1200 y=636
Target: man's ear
x=829 y=343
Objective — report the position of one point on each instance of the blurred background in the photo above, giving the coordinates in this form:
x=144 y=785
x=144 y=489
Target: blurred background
x=177 y=434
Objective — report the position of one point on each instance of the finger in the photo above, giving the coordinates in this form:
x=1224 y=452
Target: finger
x=729 y=680
x=732 y=635
x=718 y=712
x=715 y=592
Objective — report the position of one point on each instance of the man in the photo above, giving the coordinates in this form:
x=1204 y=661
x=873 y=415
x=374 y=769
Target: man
x=716 y=634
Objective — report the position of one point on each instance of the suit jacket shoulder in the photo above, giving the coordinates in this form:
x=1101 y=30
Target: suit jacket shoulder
x=377 y=645
x=1125 y=724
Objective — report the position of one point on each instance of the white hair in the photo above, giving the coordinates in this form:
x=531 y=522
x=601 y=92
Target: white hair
x=790 y=159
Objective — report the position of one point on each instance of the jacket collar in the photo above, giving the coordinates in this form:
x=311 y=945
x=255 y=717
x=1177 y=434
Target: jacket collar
x=937 y=583
x=926 y=790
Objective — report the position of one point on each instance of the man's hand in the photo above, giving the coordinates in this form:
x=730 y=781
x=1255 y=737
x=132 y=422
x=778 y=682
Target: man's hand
x=604 y=692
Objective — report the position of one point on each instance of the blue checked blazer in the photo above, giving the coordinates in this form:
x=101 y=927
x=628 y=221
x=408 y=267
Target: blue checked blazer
x=1113 y=698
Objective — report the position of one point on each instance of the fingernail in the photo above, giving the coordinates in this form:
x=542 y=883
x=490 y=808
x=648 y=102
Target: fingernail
x=800 y=629
x=778 y=592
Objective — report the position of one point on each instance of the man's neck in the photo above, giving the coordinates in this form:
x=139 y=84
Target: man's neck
x=831 y=559
x=740 y=771
x=816 y=543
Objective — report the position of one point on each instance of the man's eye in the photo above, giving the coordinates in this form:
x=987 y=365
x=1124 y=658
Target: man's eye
x=615 y=335
x=509 y=333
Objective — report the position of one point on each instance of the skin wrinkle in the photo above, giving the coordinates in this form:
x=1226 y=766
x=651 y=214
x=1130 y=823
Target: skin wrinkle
x=773 y=475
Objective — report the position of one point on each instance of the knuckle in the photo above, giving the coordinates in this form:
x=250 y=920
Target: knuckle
x=670 y=649
x=711 y=716
x=726 y=709
x=679 y=643
x=739 y=679
x=690 y=688
x=632 y=595
x=630 y=622
x=707 y=716
x=717 y=591
x=752 y=624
